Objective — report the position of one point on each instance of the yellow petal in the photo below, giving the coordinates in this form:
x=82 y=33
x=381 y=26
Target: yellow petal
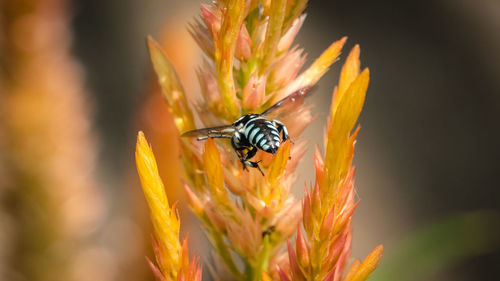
x=273 y=32
x=350 y=70
x=265 y=277
x=368 y=265
x=165 y=221
x=352 y=270
x=225 y=46
x=323 y=63
x=213 y=166
x=171 y=86
x=278 y=164
x=215 y=175
x=350 y=106
x=343 y=117
x=148 y=173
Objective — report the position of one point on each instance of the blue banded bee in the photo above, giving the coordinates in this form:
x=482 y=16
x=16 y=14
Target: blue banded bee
x=254 y=131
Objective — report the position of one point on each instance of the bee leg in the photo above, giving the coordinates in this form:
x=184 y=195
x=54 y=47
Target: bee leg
x=241 y=157
x=254 y=165
x=244 y=165
x=250 y=152
x=282 y=129
x=215 y=136
x=244 y=159
x=219 y=136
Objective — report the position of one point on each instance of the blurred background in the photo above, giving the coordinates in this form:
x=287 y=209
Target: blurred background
x=76 y=85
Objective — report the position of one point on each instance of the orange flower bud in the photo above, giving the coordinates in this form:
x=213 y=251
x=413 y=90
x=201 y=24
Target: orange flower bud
x=282 y=275
x=254 y=92
x=306 y=212
x=212 y=17
x=325 y=230
x=243 y=44
x=297 y=273
x=302 y=250
x=287 y=39
x=193 y=201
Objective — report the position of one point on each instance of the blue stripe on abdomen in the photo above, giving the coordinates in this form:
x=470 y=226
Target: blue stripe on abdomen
x=253 y=133
x=248 y=129
x=259 y=136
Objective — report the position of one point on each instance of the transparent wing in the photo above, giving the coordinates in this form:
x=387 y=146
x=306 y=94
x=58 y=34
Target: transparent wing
x=288 y=104
x=225 y=131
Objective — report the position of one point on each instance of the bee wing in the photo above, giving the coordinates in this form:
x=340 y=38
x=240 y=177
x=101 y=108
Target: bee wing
x=225 y=131
x=287 y=104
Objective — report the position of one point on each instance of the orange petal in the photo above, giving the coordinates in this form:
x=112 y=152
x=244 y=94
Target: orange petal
x=278 y=164
x=287 y=39
x=156 y=271
x=243 y=44
x=306 y=213
x=345 y=217
x=254 y=92
x=302 y=249
x=327 y=224
x=212 y=18
x=193 y=201
x=265 y=277
x=297 y=273
x=334 y=251
x=282 y=274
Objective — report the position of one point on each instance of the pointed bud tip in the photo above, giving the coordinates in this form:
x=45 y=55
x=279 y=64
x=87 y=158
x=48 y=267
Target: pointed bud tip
x=140 y=136
x=153 y=45
x=282 y=274
x=142 y=149
x=368 y=265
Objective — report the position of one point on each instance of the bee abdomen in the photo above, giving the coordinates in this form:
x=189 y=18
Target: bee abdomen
x=263 y=135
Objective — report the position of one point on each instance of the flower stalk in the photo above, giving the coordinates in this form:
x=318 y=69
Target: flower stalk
x=250 y=64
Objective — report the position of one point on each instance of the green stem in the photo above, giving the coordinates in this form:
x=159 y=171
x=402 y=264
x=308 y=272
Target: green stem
x=273 y=33
x=225 y=254
x=254 y=272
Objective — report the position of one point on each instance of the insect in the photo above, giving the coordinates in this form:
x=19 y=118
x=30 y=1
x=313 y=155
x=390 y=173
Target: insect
x=268 y=231
x=252 y=132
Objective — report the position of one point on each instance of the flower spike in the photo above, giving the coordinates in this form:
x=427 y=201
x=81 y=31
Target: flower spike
x=251 y=64
x=170 y=256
